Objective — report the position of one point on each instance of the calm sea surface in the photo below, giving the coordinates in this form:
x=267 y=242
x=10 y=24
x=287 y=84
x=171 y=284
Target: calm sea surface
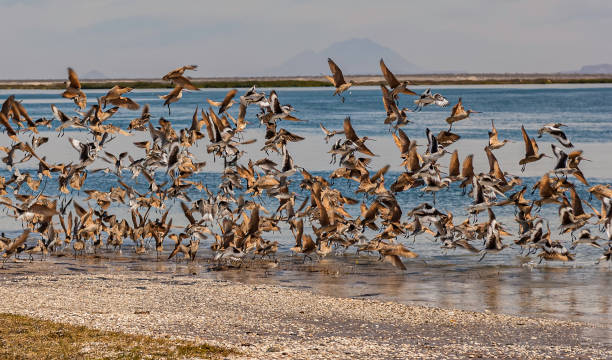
x=507 y=282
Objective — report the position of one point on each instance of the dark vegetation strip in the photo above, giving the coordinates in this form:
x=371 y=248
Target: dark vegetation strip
x=161 y=85
x=292 y=83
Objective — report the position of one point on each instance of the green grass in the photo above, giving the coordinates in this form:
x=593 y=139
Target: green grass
x=24 y=337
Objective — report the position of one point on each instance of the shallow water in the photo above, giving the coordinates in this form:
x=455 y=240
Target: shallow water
x=506 y=282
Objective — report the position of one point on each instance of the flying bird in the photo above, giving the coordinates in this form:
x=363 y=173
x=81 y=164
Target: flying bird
x=337 y=79
x=396 y=86
x=73 y=90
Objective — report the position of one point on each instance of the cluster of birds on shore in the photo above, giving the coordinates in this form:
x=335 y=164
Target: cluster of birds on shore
x=233 y=218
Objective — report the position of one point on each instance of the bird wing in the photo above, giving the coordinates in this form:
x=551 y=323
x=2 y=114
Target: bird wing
x=534 y=145
x=274 y=103
x=468 y=166
x=391 y=79
x=76 y=144
x=253 y=226
x=228 y=97
x=529 y=151
x=214 y=103
x=492 y=159
x=562 y=138
x=558 y=152
x=404 y=140
x=458 y=109
x=330 y=79
x=336 y=72
x=209 y=129
x=179 y=71
x=241 y=123
x=291 y=118
x=453 y=167
x=299 y=232
x=195 y=123
x=187 y=213
x=493 y=134
x=59 y=115
x=446 y=137
x=174 y=92
x=580 y=176
x=399 y=143
x=18 y=241
x=184 y=82
x=74 y=79
x=7 y=105
x=387 y=101
x=9 y=129
x=433 y=142
x=80 y=211
x=42 y=210
x=380 y=173
x=349 y=132
x=125 y=102
x=325 y=131
x=440 y=100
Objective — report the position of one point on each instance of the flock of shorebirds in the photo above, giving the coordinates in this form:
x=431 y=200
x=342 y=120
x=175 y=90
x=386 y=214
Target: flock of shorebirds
x=233 y=218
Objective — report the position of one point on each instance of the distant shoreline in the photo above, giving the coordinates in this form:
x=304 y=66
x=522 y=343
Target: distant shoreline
x=317 y=81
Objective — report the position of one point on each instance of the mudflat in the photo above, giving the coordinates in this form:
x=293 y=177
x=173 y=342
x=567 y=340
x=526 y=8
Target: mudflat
x=269 y=321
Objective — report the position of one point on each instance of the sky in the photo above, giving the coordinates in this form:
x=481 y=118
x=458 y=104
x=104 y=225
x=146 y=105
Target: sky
x=147 y=38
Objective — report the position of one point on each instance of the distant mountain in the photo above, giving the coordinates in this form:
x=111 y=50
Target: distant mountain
x=94 y=74
x=596 y=69
x=354 y=56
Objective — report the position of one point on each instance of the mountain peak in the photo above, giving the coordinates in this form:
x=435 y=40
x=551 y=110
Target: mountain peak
x=356 y=56
x=596 y=69
x=94 y=75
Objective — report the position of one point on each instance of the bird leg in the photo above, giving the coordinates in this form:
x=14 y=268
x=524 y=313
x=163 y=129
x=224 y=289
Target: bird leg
x=482 y=257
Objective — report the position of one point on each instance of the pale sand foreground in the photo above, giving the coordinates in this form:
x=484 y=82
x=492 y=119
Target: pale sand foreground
x=264 y=321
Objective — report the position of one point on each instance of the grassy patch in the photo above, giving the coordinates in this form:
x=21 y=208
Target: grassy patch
x=24 y=337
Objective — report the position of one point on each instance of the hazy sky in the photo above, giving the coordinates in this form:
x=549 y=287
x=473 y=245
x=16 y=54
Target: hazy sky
x=146 y=38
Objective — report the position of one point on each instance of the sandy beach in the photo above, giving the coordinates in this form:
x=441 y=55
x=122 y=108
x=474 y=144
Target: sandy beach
x=269 y=321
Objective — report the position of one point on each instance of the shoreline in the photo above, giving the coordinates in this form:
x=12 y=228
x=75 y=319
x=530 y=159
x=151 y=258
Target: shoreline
x=318 y=81
x=272 y=321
